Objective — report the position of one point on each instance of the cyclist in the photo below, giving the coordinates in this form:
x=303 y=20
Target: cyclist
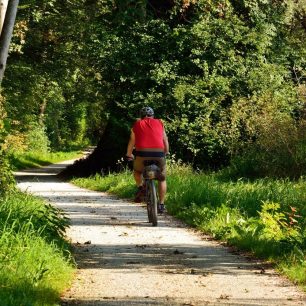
x=150 y=141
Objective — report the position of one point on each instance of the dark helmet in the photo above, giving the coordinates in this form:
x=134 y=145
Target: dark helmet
x=146 y=112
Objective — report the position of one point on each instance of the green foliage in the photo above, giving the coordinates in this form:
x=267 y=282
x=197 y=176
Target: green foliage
x=44 y=219
x=37 y=140
x=274 y=141
x=35 y=264
x=222 y=74
x=6 y=178
x=7 y=181
x=45 y=80
x=196 y=62
x=276 y=224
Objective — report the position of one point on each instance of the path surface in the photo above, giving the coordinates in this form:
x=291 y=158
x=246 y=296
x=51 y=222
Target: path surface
x=122 y=260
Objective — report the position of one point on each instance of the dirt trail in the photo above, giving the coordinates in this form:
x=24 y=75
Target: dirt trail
x=122 y=260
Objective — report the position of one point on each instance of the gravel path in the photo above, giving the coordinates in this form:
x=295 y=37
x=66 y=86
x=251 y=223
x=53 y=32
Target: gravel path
x=122 y=260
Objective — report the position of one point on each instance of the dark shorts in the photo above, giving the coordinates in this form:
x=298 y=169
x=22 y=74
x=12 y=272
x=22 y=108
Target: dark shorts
x=150 y=155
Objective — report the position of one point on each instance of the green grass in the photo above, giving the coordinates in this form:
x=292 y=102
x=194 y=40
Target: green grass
x=35 y=261
x=265 y=216
x=34 y=160
x=121 y=184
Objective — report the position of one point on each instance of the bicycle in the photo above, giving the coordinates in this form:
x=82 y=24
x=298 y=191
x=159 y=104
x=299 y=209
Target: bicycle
x=151 y=172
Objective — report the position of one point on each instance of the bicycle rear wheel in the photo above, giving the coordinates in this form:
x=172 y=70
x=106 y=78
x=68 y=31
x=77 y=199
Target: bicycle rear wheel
x=148 y=201
x=152 y=202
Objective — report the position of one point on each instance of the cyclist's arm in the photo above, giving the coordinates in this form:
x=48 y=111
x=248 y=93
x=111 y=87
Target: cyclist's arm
x=166 y=143
x=131 y=144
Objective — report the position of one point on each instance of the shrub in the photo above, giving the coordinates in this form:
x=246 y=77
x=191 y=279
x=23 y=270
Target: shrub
x=266 y=140
x=36 y=139
x=7 y=182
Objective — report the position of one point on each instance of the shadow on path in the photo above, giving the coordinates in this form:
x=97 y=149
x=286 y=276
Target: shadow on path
x=123 y=260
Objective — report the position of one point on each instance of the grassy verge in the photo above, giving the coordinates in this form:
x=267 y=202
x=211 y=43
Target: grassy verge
x=266 y=217
x=34 y=160
x=35 y=262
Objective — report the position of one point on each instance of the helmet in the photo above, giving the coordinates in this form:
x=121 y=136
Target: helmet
x=146 y=112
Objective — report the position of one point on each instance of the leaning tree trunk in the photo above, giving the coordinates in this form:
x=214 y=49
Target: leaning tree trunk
x=106 y=157
x=3 y=8
x=6 y=34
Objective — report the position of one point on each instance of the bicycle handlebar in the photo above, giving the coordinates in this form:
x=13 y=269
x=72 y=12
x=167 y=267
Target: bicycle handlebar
x=131 y=158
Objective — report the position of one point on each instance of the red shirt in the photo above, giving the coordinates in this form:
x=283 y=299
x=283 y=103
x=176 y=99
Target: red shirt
x=149 y=133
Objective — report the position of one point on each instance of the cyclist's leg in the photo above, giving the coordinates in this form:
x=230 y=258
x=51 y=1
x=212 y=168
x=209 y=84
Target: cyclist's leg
x=162 y=189
x=138 y=178
x=162 y=185
x=138 y=168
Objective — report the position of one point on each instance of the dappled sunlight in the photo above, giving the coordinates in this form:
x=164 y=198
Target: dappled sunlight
x=116 y=247
x=164 y=258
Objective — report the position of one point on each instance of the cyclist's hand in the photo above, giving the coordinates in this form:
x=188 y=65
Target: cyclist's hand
x=129 y=157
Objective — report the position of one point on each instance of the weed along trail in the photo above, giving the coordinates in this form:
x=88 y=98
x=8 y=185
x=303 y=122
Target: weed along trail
x=123 y=260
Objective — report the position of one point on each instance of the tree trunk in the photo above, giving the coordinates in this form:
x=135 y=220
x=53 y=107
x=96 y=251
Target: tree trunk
x=3 y=7
x=6 y=34
x=107 y=156
x=42 y=110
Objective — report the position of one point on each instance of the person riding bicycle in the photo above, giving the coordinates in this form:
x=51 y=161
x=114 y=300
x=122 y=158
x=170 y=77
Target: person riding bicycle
x=150 y=141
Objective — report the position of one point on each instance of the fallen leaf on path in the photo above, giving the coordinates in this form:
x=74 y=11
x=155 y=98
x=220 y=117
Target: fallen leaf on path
x=123 y=234
x=262 y=271
x=142 y=246
x=206 y=274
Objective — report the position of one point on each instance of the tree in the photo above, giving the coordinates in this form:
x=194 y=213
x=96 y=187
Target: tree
x=194 y=62
x=3 y=7
x=83 y=69
x=6 y=34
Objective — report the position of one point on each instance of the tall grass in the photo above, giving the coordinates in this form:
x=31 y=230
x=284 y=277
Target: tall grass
x=121 y=184
x=35 y=262
x=265 y=216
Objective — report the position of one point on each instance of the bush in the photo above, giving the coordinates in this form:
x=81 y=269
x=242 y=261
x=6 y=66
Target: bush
x=266 y=139
x=33 y=139
x=36 y=139
x=7 y=181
